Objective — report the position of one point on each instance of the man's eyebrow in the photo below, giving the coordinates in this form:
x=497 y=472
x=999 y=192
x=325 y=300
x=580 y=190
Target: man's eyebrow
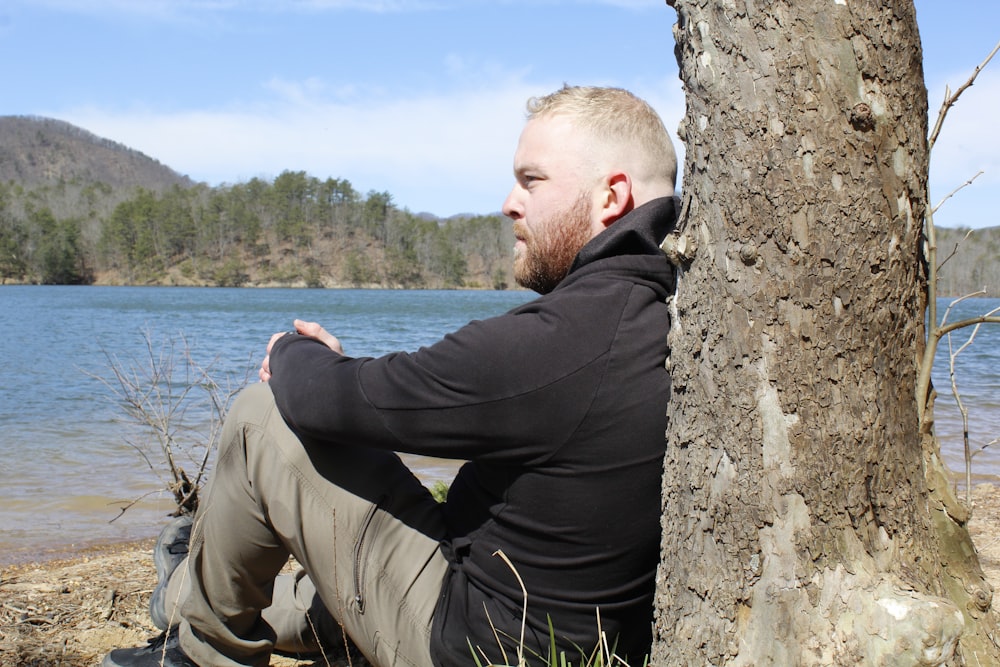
x=522 y=169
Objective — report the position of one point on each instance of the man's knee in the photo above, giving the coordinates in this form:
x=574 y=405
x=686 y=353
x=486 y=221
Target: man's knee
x=252 y=404
x=248 y=412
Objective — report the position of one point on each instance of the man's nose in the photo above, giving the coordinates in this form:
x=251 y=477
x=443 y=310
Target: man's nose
x=512 y=206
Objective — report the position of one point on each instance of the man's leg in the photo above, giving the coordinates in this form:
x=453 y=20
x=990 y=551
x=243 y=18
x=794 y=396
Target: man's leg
x=301 y=623
x=356 y=519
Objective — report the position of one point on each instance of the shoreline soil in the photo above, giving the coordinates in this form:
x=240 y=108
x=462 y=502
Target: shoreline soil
x=70 y=611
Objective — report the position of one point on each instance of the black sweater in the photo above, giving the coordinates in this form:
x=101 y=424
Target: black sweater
x=559 y=406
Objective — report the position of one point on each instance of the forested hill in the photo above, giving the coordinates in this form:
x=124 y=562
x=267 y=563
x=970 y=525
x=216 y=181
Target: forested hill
x=75 y=208
x=44 y=151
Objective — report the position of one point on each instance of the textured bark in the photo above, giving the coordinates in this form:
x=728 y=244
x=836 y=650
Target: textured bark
x=805 y=519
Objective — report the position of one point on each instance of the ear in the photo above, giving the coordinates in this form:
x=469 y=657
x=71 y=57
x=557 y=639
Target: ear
x=615 y=198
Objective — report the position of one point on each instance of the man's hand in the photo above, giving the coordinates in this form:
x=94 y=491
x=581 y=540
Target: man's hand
x=319 y=333
x=311 y=329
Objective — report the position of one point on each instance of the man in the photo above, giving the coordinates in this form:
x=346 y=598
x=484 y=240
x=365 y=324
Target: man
x=558 y=406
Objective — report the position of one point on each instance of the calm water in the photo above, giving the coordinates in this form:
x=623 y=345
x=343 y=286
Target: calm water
x=977 y=376
x=65 y=465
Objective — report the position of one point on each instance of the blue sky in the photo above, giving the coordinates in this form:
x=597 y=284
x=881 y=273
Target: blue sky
x=423 y=98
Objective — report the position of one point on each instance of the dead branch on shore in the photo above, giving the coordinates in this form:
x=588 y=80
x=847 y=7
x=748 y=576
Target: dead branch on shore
x=176 y=407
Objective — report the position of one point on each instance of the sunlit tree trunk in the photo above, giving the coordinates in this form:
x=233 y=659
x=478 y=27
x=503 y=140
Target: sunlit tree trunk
x=806 y=519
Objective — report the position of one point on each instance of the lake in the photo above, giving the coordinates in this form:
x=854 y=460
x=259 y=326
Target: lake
x=66 y=465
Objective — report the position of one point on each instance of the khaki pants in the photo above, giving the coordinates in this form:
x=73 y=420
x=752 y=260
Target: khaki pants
x=362 y=526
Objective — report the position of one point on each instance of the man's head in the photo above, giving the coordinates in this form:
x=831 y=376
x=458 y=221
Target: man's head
x=586 y=157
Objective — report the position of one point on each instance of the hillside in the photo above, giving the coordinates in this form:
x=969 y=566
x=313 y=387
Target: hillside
x=76 y=208
x=971 y=261
x=43 y=151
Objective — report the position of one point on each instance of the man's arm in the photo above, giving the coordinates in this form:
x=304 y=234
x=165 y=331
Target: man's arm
x=311 y=329
x=513 y=387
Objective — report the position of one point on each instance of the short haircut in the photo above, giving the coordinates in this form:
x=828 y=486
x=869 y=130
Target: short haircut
x=617 y=117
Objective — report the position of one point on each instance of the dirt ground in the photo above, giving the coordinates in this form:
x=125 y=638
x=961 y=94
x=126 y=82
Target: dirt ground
x=69 y=613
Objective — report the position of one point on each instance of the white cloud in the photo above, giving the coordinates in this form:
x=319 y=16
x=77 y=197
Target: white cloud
x=444 y=154
x=450 y=153
x=440 y=152
x=297 y=92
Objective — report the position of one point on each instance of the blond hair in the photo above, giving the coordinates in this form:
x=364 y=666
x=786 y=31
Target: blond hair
x=617 y=118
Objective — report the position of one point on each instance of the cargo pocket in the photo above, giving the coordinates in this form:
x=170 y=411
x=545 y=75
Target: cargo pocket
x=362 y=548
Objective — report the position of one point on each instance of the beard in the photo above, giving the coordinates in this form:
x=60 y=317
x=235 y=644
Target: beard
x=551 y=245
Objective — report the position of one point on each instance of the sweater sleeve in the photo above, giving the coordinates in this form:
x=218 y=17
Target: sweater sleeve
x=511 y=388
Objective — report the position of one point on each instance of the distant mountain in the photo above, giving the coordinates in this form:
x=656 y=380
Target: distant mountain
x=38 y=151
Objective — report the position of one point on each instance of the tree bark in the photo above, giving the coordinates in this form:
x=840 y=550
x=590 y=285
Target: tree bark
x=807 y=520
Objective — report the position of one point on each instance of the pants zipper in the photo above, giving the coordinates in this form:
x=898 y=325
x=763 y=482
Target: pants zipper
x=359 y=598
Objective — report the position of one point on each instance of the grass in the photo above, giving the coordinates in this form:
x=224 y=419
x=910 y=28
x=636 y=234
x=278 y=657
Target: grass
x=603 y=655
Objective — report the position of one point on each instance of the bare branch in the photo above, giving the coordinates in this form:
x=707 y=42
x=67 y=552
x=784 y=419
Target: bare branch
x=953 y=355
x=955 y=191
x=936 y=333
x=951 y=99
x=964 y=297
x=971 y=322
x=985 y=447
x=955 y=252
x=175 y=406
x=129 y=505
x=946 y=329
x=923 y=386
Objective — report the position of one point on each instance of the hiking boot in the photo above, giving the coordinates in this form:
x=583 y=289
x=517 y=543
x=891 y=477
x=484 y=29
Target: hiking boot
x=162 y=651
x=170 y=551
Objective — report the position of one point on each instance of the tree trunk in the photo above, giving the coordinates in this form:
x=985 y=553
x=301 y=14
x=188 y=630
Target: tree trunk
x=807 y=520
